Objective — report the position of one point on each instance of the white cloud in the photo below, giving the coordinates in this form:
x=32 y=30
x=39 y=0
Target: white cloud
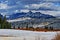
x=24 y=10
x=48 y=5
x=3 y=6
x=26 y=6
x=35 y=6
x=6 y=1
x=32 y=6
x=54 y=13
x=51 y=0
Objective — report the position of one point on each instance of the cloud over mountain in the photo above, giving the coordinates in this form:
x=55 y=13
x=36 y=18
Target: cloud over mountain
x=10 y=6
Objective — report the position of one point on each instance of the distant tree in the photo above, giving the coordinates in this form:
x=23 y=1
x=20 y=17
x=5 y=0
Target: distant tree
x=4 y=22
x=31 y=28
x=37 y=28
x=14 y=27
x=8 y=25
x=0 y=21
x=18 y=27
x=51 y=28
x=46 y=27
x=26 y=26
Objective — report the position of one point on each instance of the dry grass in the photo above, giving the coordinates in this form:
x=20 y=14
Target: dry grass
x=38 y=29
x=57 y=37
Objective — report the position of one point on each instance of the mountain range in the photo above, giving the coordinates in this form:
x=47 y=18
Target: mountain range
x=32 y=19
x=30 y=15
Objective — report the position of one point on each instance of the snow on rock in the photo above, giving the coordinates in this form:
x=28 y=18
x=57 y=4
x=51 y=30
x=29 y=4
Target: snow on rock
x=19 y=19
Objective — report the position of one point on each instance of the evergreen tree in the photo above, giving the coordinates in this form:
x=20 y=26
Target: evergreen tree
x=46 y=27
x=0 y=21
x=51 y=28
x=4 y=24
x=26 y=25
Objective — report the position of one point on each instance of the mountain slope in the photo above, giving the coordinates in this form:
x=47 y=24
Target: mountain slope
x=30 y=14
x=30 y=18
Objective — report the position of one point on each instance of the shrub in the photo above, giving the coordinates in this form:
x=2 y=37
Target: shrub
x=57 y=37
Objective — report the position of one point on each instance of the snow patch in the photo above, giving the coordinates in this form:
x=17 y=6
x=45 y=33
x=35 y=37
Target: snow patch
x=19 y=19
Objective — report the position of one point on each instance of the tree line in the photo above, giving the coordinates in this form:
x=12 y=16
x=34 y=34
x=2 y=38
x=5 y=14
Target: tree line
x=4 y=24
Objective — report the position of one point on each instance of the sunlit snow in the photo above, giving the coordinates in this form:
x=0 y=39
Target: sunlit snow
x=27 y=35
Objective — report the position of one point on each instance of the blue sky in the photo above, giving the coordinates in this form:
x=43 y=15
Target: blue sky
x=51 y=7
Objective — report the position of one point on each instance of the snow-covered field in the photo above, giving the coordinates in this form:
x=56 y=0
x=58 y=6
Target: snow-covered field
x=25 y=35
